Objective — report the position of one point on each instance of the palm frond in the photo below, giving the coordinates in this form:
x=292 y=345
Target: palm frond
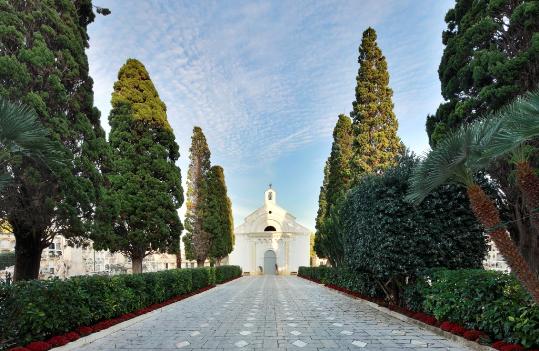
x=21 y=134
x=452 y=161
x=518 y=124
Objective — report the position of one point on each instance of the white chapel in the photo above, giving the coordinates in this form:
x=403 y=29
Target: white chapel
x=270 y=241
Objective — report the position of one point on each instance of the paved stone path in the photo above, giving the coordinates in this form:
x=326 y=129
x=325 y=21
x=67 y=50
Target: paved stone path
x=269 y=313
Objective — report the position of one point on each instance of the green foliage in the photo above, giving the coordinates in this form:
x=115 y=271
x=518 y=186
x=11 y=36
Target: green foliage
x=203 y=276
x=197 y=240
x=145 y=189
x=491 y=55
x=490 y=301
x=218 y=219
x=337 y=179
x=7 y=259
x=22 y=135
x=343 y=277
x=225 y=273
x=35 y=310
x=44 y=65
x=391 y=239
x=376 y=144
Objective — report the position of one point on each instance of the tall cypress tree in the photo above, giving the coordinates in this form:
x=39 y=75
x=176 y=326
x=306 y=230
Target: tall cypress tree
x=197 y=240
x=145 y=190
x=491 y=56
x=218 y=215
x=43 y=64
x=376 y=144
x=321 y=214
x=337 y=180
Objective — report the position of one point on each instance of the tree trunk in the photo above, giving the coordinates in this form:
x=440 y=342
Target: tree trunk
x=218 y=261
x=136 y=264
x=28 y=248
x=486 y=212
x=178 y=260
x=528 y=183
x=27 y=261
x=200 y=263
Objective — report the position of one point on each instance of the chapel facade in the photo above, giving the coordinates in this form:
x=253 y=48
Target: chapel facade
x=270 y=241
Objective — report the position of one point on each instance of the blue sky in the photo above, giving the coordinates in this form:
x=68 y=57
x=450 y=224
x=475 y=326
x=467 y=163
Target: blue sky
x=267 y=80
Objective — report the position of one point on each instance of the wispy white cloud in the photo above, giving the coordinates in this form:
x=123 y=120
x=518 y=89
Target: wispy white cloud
x=264 y=79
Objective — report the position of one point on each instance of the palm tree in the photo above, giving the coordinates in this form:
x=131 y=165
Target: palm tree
x=22 y=135
x=517 y=125
x=456 y=160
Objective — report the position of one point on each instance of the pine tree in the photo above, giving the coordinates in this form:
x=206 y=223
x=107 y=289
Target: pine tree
x=145 y=190
x=197 y=240
x=337 y=180
x=376 y=144
x=43 y=64
x=491 y=56
x=218 y=215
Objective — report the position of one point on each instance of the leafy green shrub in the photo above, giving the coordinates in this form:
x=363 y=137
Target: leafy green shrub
x=225 y=273
x=202 y=277
x=34 y=310
x=393 y=240
x=490 y=301
x=343 y=277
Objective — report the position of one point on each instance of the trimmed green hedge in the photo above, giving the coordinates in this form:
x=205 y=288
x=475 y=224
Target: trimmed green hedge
x=489 y=301
x=361 y=283
x=35 y=310
x=225 y=273
x=7 y=259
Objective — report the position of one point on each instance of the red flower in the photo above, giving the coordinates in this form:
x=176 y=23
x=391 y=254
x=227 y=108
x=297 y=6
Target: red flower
x=72 y=336
x=472 y=335
x=512 y=347
x=39 y=346
x=58 y=341
x=83 y=331
x=458 y=330
x=499 y=344
x=18 y=348
x=446 y=326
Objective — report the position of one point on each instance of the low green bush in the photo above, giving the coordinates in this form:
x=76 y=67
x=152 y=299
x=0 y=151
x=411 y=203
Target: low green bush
x=35 y=310
x=490 y=301
x=225 y=273
x=361 y=283
x=203 y=276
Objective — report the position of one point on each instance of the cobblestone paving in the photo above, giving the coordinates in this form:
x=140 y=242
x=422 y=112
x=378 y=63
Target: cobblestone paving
x=271 y=313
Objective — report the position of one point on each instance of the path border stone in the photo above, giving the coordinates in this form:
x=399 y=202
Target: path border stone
x=450 y=336
x=111 y=330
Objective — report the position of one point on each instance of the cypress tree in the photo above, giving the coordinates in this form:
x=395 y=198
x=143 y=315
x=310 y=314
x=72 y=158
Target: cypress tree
x=491 y=56
x=376 y=144
x=197 y=240
x=218 y=215
x=321 y=214
x=43 y=64
x=145 y=190
x=337 y=180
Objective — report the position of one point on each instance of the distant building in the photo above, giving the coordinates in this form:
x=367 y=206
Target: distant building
x=270 y=241
x=494 y=260
x=62 y=261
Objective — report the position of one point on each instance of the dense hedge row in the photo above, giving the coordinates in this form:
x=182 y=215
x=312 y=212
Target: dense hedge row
x=226 y=273
x=489 y=301
x=35 y=310
x=474 y=300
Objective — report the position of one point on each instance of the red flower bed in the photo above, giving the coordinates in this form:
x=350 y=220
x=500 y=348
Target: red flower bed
x=18 y=348
x=83 y=331
x=72 y=336
x=39 y=346
x=473 y=335
x=58 y=341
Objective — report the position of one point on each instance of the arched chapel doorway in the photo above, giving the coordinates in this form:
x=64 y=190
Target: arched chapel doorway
x=270 y=262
